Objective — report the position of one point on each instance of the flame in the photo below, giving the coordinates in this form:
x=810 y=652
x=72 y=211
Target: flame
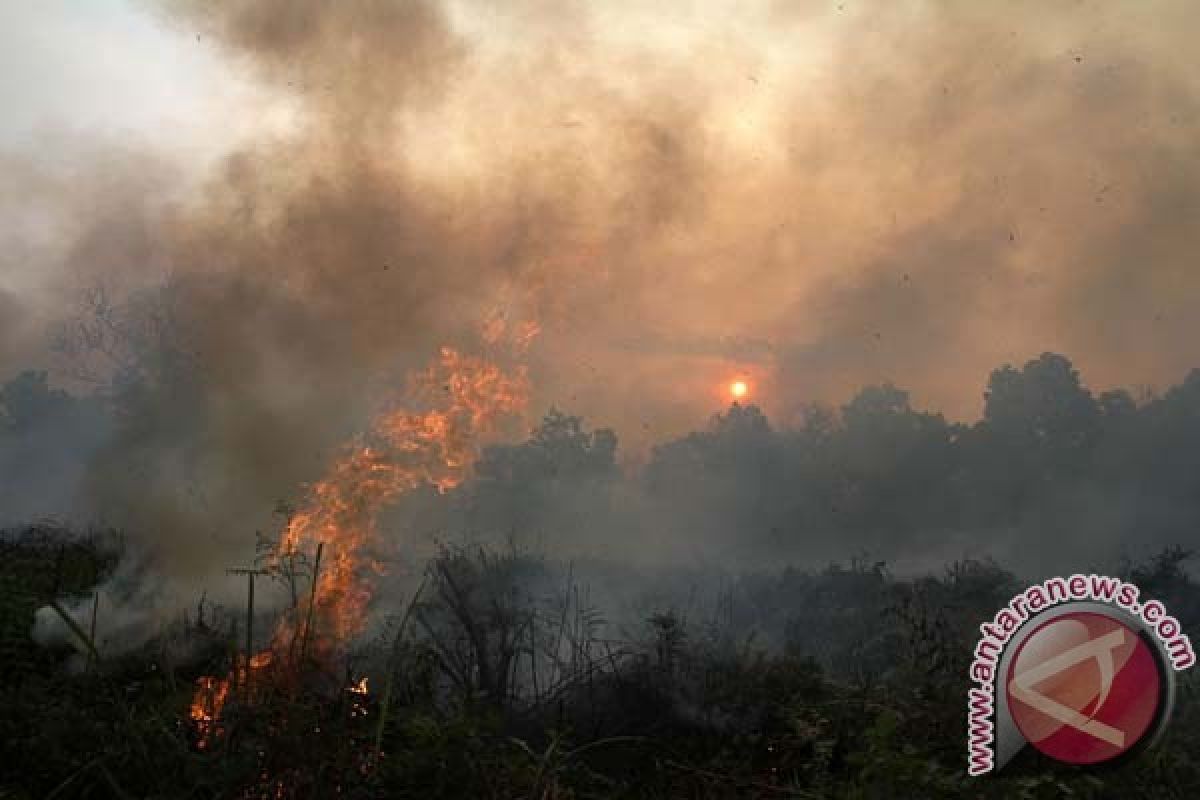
x=404 y=450
x=358 y=693
x=526 y=333
x=465 y=398
x=205 y=713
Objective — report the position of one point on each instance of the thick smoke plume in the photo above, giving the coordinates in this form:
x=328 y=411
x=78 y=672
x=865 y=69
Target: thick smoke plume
x=813 y=196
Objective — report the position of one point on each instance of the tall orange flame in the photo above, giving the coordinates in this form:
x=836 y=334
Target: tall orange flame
x=467 y=397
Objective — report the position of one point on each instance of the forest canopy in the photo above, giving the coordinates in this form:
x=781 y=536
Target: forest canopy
x=1053 y=476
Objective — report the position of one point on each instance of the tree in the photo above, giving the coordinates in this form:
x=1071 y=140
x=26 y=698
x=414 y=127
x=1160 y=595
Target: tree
x=557 y=481
x=1042 y=408
x=27 y=401
x=47 y=439
x=896 y=464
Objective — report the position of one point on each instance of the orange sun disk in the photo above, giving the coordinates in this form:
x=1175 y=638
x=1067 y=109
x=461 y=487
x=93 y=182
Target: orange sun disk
x=738 y=389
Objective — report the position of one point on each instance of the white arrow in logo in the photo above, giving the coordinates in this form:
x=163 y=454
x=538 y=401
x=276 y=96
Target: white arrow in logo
x=1101 y=649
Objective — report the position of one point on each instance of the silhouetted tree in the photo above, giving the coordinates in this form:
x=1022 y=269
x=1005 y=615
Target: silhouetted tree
x=560 y=477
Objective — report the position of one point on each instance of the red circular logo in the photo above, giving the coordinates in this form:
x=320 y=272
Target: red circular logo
x=1084 y=688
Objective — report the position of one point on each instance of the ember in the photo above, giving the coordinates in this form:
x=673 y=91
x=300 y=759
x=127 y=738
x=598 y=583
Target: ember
x=358 y=694
x=207 y=702
x=465 y=398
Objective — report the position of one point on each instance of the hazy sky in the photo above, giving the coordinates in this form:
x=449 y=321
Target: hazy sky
x=108 y=68
x=291 y=203
x=815 y=195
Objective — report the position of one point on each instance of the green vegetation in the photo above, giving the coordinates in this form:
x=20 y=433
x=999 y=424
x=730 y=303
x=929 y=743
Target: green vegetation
x=498 y=690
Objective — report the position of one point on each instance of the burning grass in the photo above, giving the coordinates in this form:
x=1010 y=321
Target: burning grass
x=433 y=439
x=685 y=707
x=499 y=678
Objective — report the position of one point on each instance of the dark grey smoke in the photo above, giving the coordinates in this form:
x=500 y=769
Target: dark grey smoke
x=817 y=198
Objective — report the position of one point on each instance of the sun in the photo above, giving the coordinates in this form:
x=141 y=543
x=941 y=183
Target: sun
x=738 y=389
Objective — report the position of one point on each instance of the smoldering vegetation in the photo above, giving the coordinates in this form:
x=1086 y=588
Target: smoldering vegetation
x=1053 y=477
x=779 y=603
x=500 y=678
x=726 y=620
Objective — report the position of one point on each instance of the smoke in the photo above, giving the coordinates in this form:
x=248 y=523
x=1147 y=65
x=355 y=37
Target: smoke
x=11 y=324
x=815 y=196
